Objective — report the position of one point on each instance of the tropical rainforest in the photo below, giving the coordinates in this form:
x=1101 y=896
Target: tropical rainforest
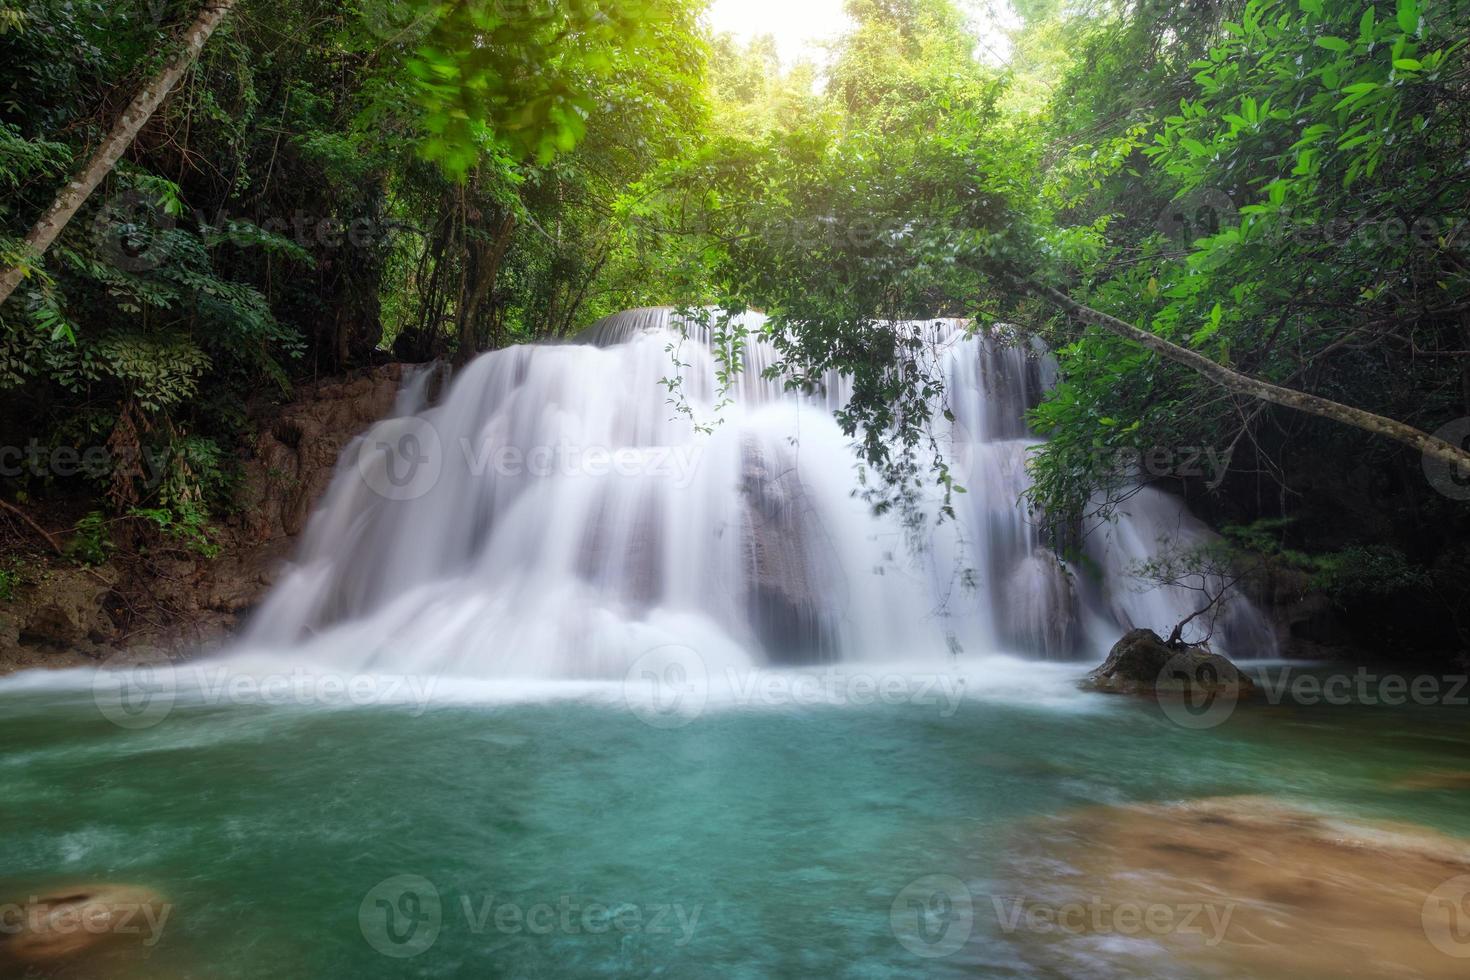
x=632 y=488
x=1239 y=226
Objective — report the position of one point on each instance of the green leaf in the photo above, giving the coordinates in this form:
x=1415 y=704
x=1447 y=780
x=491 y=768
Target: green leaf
x=1332 y=43
x=1311 y=135
x=1408 y=16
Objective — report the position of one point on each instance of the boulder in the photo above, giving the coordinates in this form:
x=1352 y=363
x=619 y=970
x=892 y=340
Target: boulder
x=49 y=627
x=58 y=617
x=1142 y=663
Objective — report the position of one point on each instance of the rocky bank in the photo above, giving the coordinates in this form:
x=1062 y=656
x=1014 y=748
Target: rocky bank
x=63 y=615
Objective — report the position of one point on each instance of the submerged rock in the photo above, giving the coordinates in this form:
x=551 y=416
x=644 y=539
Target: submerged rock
x=45 y=931
x=1435 y=779
x=1236 y=887
x=1142 y=663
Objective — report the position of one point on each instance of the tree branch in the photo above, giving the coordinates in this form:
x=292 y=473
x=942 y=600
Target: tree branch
x=1254 y=387
x=50 y=538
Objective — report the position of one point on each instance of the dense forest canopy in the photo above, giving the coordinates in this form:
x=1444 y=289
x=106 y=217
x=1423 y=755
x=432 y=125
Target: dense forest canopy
x=1278 y=189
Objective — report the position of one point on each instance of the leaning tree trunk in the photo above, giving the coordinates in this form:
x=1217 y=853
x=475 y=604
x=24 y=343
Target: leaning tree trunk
x=1244 y=384
x=124 y=131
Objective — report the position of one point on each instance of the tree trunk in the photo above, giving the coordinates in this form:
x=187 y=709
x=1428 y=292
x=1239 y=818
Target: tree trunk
x=484 y=254
x=569 y=319
x=1254 y=387
x=124 y=131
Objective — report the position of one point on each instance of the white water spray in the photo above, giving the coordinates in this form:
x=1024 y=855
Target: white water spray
x=555 y=517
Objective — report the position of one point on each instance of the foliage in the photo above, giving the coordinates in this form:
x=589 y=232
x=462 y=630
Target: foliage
x=1374 y=570
x=186 y=524
x=841 y=222
x=91 y=541
x=11 y=577
x=525 y=73
x=1279 y=185
x=277 y=219
x=1310 y=236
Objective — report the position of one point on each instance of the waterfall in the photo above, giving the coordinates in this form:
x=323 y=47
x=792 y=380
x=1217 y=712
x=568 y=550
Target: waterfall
x=563 y=510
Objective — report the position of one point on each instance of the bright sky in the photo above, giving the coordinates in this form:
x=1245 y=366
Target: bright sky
x=799 y=24
x=796 y=24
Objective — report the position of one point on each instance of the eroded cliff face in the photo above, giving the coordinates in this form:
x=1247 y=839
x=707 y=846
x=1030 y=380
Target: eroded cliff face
x=134 y=609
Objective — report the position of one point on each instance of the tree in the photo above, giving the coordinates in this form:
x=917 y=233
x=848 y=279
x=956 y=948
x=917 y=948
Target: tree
x=1277 y=188
x=922 y=158
x=284 y=214
x=139 y=111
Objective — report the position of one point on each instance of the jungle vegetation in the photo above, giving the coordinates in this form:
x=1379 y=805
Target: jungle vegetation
x=1239 y=224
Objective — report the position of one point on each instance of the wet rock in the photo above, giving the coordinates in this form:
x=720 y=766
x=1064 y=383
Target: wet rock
x=1040 y=612
x=1142 y=663
x=294 y=457
x=50 y=628
x=783 y=604
x=57 y=618
x=296 y=451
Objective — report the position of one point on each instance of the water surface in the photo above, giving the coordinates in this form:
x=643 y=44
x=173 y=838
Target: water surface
x=564 y=835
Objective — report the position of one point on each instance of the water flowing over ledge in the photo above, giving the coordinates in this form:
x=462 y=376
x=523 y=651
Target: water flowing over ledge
x=554 y=516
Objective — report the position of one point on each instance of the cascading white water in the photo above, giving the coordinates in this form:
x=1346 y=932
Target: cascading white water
x=555 y=516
